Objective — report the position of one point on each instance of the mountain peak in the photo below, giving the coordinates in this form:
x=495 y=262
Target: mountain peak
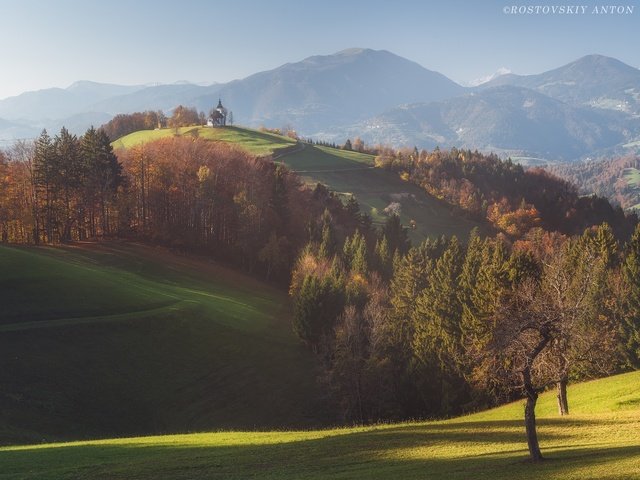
x=353 y=51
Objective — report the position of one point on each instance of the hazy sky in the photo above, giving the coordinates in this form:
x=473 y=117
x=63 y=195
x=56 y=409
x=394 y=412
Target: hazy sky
x=49 y=43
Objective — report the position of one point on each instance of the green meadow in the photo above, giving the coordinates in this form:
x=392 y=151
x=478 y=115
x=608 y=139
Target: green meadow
x=351 y=173
x=120 y=339
x=255 y=141
x=599 y=440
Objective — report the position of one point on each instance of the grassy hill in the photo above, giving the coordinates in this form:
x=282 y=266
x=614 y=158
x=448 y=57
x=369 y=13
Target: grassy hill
x=599 y=440
x=352 y=173
x=345 y=172
x=256 y=142
x=123 y=339
x=632 y=178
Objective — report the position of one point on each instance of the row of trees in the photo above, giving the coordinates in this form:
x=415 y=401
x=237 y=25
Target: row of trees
x=126 y=123
x=59 y=189
x=187 y=193
x=447 y=327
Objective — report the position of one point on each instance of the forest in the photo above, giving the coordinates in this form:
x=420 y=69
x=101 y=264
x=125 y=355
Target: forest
x=551 y=295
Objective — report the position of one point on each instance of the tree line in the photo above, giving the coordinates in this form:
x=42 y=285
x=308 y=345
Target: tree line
x=613 y=178
x=510 y=198
x=60 y=189
x=186 y=193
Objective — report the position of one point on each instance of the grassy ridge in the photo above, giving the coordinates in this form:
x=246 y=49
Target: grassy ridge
x=123 y=339
x=352 y=173
x=256 y=142
x=599 y=440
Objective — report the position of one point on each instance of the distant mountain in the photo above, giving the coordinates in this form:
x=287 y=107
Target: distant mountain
x=510 y=120
x=159 y=97
x=57 y=103
x=331 y=90
x=587 y=108
x=13 y=130
x=594 y=81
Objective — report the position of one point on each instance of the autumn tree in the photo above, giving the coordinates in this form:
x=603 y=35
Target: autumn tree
x=184 y=117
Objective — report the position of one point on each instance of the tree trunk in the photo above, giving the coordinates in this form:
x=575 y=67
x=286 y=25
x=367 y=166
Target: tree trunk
x=530 y=416
x=530 y=425
x=561 y=394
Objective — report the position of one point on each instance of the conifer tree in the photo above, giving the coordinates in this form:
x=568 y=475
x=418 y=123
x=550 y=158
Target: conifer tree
x=438 y=311
x=631 y=276
x=397 y=235
x=382 y=258
x=327 y=246
x=44 y=165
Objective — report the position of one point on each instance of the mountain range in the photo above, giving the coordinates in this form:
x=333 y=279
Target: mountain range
x=588 y=108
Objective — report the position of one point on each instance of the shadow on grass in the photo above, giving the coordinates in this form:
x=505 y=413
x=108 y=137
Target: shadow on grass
x=447 y=451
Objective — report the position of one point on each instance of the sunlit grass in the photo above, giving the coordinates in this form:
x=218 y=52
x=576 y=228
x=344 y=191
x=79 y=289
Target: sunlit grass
x=352 y=173
x=254 y=141
x=599 y=440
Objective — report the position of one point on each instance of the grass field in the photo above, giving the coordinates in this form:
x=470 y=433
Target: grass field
x=632 y=176
x=599 y=440
x=256 y=142
x=352 y=173
x=122 y=339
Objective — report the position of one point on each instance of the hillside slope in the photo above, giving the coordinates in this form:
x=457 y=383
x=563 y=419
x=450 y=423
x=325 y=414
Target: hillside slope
x=347 y=173
x=352 y=173
x=122 y=339
x=599 y=440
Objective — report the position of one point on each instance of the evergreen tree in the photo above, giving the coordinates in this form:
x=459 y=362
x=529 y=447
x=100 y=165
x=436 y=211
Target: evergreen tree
x=317 y=306
x=359 y=264
x=438 y=311
x=631 y=276
x=602 y=242
x=382 y=258
x=103 y=175
x=397 y=235
x=328 y=241
x=44 y=165
x=70 y=176
x=279 y=200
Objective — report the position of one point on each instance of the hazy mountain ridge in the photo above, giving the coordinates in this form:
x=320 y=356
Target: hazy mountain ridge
x=331 y=90
x=588 y=107
x=511 y=120
x=593 y=80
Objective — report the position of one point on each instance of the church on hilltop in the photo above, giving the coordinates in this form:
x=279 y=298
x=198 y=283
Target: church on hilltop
x=217 y=117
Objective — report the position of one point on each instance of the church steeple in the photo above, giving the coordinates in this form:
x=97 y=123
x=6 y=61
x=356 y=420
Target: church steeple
x=218 y=117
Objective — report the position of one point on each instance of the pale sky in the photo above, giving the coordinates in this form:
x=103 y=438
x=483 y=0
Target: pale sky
x=52 y=43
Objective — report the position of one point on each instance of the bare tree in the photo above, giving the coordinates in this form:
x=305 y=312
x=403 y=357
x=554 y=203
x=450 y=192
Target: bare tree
x=539 y=330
